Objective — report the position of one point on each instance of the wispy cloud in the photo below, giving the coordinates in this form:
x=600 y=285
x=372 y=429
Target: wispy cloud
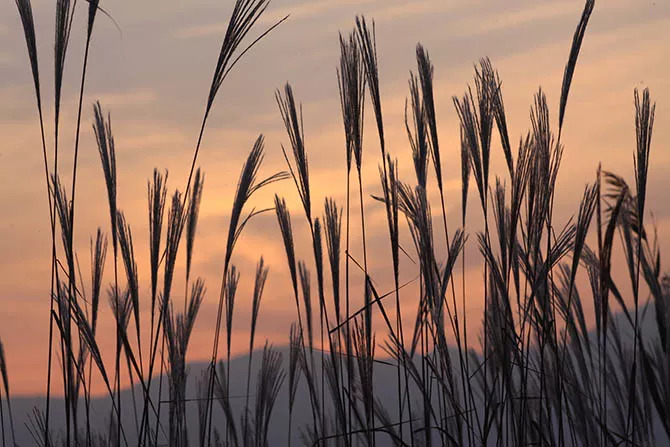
x=6 y=59
x=515 y=18
x=136 y=97
x=298 y=12
x=393 y=11
x=201 y=30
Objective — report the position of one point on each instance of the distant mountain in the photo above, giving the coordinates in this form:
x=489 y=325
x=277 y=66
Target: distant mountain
x=385 y=390
x=384 y=383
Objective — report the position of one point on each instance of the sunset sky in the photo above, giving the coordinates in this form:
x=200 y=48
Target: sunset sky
x=153 y=76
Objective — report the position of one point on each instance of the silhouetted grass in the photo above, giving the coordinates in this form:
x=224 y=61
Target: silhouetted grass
x=544 y=372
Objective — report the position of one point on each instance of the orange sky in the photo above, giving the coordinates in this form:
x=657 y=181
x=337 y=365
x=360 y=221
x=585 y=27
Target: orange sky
x=154 y=76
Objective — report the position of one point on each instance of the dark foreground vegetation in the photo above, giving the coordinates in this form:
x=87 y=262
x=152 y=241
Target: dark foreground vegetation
x=542 y=373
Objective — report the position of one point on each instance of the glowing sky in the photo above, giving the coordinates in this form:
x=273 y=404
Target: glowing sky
x=153 y=76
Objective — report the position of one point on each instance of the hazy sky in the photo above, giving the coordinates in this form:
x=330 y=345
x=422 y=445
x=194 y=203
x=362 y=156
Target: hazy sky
x=154 y=74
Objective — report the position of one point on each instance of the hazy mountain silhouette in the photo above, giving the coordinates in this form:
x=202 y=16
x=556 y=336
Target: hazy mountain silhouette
x=100 y=406
x=385 y=390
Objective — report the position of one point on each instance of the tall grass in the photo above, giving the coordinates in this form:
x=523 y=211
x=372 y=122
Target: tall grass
x=540 y=375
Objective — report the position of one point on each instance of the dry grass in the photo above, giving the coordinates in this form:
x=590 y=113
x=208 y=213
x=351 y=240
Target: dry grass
x=540 y=375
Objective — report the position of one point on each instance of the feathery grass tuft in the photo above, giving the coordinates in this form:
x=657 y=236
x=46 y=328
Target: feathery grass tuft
x=247 y=185
x=157 y=193
x=259 y=286
x=64 y=18
x=306 y=287
x=230 y=292
x=270 y=380
x=333 y=220
x=128 y=256
x=644 y=124
x=367 y=41
x=351 y=82
x=417 y=134
x=175 y=224
x=192 y=218
x=426 y=70
x=465 y=174
x=284 y=219
x=294 y=128
x=105 y=140
x=245 y=14
x=28 y=23
x=572 y=59
x=98 y=256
